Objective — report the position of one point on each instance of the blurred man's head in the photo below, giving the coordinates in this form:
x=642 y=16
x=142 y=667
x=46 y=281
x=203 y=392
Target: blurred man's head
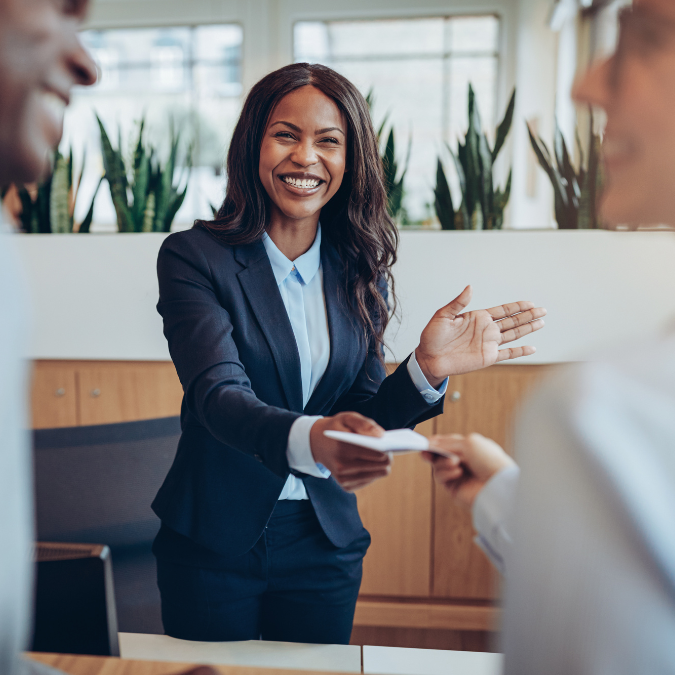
x=41 y=58
x=636 y=88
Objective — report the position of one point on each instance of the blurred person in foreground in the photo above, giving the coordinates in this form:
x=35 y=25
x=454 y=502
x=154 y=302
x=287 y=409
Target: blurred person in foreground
x=587 y=541
x=41 y=59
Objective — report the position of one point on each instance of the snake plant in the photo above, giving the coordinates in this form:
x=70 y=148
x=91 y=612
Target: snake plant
x=482 y=206
x=145 y=196
x=575 y=190
x=49 y=207
x=393 y=178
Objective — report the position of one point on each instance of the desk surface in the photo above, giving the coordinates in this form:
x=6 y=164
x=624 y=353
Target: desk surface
x=260 y=658
x=404 y=661
x=107 y=665
x=257 y=653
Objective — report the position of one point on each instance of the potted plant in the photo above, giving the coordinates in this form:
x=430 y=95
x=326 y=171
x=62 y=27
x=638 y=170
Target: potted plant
x=482 y=206
x=145 y=195
x=575 y=190
x=49 y=206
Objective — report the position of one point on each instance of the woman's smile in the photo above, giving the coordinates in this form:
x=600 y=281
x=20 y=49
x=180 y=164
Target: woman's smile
x=301 y=184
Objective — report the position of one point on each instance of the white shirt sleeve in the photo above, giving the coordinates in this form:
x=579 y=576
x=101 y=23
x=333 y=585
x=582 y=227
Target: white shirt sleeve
x=493 y=516
x=299 y=450
x=429 y=394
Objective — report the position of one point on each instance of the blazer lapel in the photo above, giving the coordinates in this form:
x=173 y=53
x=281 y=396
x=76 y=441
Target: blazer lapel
x=345 y=338
x=258 y=282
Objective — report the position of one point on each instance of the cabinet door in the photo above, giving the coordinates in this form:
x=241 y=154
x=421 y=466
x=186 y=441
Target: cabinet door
x=397 y=512
x=127 y=391
x=54 y=395
x=485 y=402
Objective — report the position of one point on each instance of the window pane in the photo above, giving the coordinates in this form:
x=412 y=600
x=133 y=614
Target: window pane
x=419 y=71
x=474 y=34
x=188 y=75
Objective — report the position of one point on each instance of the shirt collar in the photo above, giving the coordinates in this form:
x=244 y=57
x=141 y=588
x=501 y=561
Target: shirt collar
x=306 y=265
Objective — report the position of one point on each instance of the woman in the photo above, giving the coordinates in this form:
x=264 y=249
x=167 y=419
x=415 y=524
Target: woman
x=275 y=324
x=587 y=546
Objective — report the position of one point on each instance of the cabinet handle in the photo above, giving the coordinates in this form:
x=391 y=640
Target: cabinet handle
x=60 y=392
x=455 y=396
x=95 y=393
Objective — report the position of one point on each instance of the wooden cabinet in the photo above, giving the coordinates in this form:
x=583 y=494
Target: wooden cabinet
x=55 y=395
x=70 y=393
x=485 y=402
x=396 y=512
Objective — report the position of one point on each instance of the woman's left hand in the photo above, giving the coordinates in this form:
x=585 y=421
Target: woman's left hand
x=453 y=343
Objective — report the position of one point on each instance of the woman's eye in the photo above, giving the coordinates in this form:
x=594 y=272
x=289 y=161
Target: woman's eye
x=330 y=140
x=283 y=134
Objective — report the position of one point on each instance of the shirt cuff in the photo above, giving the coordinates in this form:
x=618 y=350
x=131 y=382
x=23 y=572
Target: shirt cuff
x=299 y=450
x=429 y=394
x=493 y=514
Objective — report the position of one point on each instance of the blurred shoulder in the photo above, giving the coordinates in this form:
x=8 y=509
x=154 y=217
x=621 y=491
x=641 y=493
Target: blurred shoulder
x=614 y=412
x=633 y=376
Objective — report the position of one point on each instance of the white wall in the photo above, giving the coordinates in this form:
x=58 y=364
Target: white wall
x=528 y=50
x=94 y=296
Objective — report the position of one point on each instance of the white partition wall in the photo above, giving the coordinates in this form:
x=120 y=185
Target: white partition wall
x=94 y=296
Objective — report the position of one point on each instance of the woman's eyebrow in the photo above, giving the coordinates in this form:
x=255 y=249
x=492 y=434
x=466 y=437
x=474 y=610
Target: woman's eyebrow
x=288 y=124
x=299 y=130
x=327 y=129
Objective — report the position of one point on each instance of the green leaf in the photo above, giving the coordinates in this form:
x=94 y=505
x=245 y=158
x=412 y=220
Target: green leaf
x=115 y=174
x=504 y=126
x=445 y=210
x=562 y=214
x=175 y=205
x=76 y=187
x=485 y=180
x=61 y=221
x=149 y=215
x=85 y=225
x=28 y=212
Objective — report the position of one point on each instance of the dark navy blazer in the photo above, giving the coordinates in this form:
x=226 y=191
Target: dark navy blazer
x=235 y=353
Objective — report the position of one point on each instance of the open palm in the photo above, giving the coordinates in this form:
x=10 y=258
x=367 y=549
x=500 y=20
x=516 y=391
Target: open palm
x=454 y=342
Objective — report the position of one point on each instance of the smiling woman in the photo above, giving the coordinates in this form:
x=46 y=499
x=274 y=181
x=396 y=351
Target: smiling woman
x=275 y=323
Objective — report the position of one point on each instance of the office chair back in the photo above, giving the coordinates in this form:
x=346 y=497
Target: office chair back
x=95 y=485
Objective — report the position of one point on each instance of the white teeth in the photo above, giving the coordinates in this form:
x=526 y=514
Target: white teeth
x=55 y=104
x=305 y=183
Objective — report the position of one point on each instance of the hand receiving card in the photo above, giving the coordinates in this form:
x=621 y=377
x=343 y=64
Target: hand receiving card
x=398 y=441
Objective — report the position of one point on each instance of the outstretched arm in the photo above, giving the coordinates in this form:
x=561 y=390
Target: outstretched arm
x=482 y=477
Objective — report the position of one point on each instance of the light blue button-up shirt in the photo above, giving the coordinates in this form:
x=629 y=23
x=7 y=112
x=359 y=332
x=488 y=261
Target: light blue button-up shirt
x=300 y=284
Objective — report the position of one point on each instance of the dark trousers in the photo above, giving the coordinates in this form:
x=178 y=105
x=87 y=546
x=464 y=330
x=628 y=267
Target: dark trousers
x=294 y=585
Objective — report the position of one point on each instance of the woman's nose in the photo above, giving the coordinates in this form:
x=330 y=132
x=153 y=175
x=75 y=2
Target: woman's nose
x=304 y=154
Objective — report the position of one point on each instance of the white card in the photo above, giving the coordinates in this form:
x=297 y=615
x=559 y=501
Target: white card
x=399 y=440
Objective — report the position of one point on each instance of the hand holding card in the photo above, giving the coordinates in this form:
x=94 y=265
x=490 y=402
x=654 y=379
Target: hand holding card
x=397 y=441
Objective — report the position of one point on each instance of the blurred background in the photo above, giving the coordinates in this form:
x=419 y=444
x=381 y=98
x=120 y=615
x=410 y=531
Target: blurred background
x=193 y=63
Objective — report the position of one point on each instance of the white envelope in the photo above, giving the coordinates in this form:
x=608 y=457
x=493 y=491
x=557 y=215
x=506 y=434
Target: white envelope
x=398 y=441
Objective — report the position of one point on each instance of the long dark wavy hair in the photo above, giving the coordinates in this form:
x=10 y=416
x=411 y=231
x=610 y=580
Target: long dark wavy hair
x=355 y=220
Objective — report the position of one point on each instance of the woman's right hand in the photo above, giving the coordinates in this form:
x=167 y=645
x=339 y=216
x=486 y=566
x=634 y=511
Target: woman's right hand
x=352 y=466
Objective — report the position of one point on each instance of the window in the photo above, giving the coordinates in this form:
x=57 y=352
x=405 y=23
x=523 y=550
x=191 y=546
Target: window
x=419 y=71
x=189 y=74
